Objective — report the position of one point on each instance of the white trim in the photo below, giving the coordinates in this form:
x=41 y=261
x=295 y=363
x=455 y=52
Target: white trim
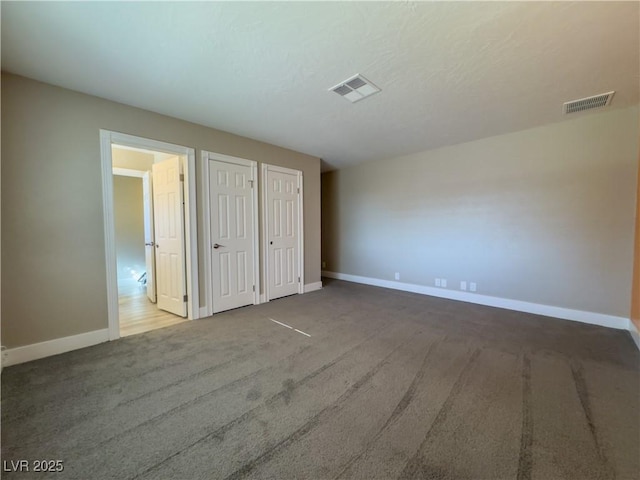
x=128 y=172
x=265 y=261
x=204 y=312
x=593 y=318
x=301 y=230
x=206 y=233
x=312 y=287
x=205 y=157
x=109 y=234
x=14 y=356
x=191 y=235
x=107 y=138
x=635 y=335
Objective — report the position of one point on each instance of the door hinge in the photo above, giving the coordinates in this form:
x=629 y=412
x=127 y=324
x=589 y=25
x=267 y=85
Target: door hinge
x=182 y=177
x=298 y=279
x=298 y=189
x=251 y=183
x=254 y=288
x=185 y=298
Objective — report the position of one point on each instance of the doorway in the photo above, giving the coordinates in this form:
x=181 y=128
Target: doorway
x=282 y=225
x=168 y=274
x=142 y=305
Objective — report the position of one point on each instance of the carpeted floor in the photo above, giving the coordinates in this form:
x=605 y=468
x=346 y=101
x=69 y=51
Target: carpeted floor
x=388 y=385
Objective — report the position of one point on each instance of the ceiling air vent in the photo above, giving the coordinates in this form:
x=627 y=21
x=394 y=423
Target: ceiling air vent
x=588 y=103
x=355 y=88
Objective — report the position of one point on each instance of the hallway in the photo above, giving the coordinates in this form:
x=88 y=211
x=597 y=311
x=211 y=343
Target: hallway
x=137 y=313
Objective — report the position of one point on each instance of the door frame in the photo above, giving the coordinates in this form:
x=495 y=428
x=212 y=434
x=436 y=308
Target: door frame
x=149 y=225
x=205 y=157
x=107 y=139
x=127 y=172
x=265 y=191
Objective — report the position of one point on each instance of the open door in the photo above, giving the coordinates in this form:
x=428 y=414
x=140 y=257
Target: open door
x=149 y=243
x=169 y=236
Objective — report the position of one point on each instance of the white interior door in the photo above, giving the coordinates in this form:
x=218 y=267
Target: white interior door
x=168 y=208
x=282 y=203
x=232 y=235
x=149 y=243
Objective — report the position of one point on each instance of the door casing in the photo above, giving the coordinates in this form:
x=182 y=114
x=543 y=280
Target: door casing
x=206 y=230
x=265 y=230
x=107 y=138
x=149 y=237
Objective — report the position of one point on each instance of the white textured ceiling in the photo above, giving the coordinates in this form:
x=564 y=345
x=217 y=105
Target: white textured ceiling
x=449 y=72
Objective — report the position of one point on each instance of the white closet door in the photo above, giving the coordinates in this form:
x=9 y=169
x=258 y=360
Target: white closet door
x=282 y=205
x=232 y=235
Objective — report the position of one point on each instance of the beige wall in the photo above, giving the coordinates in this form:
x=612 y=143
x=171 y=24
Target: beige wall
x=53 y=255
x=129 y=226
x=544 y=215
x=122 y=158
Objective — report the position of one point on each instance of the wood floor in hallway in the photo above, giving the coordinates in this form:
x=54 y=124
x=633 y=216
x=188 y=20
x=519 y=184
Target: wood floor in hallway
x=137 y=313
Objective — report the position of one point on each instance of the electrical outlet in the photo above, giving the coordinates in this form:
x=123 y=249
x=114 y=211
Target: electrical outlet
x=324 y=264
x=463 y=285
x=4 y=357
x=473 y=287
x=437 y=282
x=397 y=275
x=443 y=283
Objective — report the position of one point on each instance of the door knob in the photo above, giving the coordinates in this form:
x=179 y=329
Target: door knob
x=149 y=244
x=216 y=245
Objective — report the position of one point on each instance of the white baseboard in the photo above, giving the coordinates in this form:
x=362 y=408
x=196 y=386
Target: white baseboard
x=593 y=318
x=633 y=330
x=14 y=356
x=35 y=351
x=203 y=312
x=312 y=287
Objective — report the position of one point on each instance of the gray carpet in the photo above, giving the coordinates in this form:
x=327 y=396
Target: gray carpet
x=389 y=385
